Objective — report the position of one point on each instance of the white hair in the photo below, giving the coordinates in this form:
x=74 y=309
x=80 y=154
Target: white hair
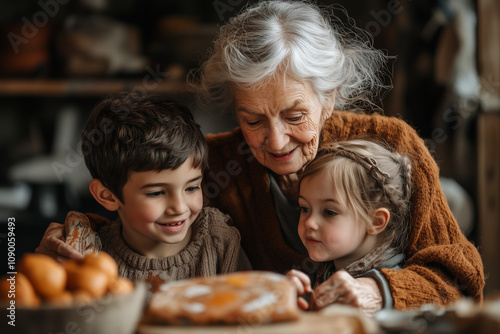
x=294 y=38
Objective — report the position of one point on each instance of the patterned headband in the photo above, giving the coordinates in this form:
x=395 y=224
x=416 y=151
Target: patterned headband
x=368 y=163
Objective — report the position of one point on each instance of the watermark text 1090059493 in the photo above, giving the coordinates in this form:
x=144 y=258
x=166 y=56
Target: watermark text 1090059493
x=11 y=244
x=11 y=267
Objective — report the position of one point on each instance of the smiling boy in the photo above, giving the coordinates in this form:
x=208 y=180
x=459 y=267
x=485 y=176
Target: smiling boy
x=147 y=157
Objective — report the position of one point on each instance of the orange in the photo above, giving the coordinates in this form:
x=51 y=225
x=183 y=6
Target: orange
x=46 y=275
x=20 y=289
x=64 y=299
x=89 y=279
x=102 y=261
x=121 y=286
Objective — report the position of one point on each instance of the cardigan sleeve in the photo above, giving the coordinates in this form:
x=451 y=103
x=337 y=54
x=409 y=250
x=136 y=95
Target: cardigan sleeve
x=442 y=265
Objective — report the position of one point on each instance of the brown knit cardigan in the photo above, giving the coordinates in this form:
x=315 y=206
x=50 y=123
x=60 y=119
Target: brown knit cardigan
x=441 y=266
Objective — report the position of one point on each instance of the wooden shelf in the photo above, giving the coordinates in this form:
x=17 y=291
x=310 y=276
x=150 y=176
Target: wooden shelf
x=86 y=87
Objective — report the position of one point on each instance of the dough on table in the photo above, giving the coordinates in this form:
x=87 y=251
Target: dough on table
x=247 y=297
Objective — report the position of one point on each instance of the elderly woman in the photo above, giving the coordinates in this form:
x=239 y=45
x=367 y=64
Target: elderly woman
x=290 y=75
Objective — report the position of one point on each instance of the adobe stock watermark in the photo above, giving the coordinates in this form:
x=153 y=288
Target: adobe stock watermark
x=383 y=17
x=75 y=157
x=457 y=114
x=225 y=6
x=217 y=182
x=30 y=28
x=454 y=117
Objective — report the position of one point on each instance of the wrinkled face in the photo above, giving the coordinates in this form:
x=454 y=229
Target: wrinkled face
x=327 y=228
x=281 y=122
x=159 y=209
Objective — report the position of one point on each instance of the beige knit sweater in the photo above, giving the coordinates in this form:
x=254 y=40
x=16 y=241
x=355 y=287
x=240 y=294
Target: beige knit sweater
x=213 y=249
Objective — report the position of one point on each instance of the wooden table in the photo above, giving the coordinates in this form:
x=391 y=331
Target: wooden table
x=309 y=322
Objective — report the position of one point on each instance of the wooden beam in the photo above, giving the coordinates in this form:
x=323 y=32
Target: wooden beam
x=489 y=197
x=489 y=53
x=489 y=141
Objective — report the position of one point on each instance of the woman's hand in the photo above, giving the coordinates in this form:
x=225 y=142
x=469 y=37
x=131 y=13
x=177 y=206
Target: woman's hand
x=52 y=244
x=303 y=285
x=341 y=288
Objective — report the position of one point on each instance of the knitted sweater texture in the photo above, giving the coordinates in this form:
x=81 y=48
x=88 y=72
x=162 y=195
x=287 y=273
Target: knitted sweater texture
x=213 y=249
x=441 y=264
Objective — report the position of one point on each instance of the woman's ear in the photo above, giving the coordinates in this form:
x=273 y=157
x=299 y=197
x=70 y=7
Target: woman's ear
x=380 y=219
x=103 y=195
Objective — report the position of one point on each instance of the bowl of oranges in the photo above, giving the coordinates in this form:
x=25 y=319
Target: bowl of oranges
x=85 y=296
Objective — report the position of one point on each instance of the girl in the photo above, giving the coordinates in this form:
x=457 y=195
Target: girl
x=354 y=200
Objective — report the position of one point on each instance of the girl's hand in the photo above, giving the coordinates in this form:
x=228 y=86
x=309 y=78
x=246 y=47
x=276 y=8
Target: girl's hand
x=303 y=285
x=53 y=245
x=342 y=288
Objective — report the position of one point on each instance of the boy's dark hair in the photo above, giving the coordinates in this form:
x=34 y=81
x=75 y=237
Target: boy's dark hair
x=133 y=133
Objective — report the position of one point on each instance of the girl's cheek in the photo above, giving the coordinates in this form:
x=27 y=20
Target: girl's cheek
x=332 y=236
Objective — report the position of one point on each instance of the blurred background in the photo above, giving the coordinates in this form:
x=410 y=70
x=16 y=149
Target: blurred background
x=58 y=58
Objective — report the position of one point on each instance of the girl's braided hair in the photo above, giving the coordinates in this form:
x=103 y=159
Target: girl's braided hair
x=367 y=175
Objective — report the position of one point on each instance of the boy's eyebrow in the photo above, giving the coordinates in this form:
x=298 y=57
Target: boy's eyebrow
x=151 y=185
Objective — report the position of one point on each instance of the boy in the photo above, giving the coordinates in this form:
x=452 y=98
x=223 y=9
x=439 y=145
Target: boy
x=147 y=157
